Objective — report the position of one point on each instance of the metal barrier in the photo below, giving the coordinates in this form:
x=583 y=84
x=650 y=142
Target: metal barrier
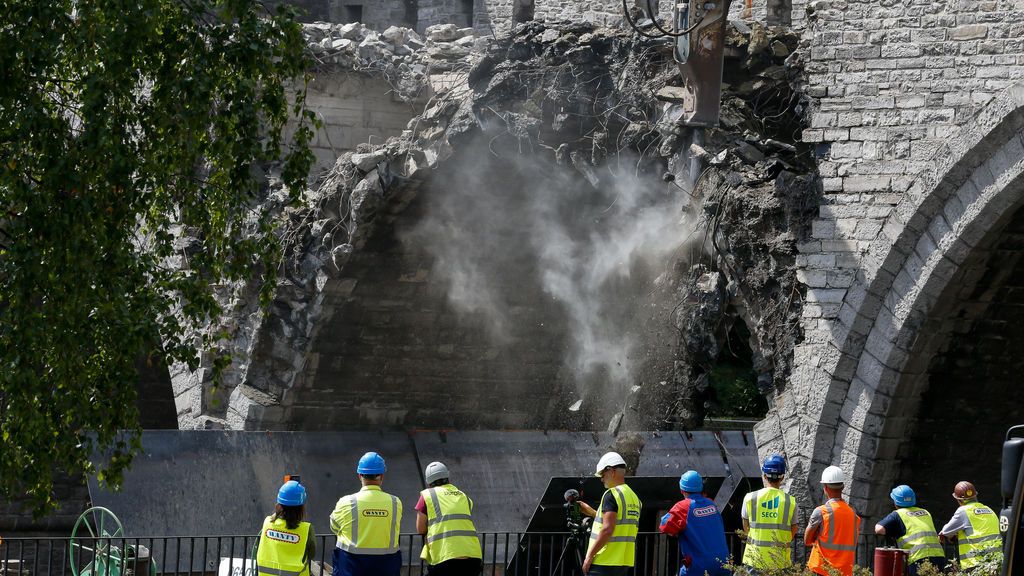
x=505 y=554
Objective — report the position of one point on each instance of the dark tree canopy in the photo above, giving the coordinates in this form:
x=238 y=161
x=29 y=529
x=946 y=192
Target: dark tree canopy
x=124 y=125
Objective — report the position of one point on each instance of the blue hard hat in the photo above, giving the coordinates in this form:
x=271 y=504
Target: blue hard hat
x=691 y=481
x=291 y=494
x=371 y=464
x=774 y=465
x=903 y=496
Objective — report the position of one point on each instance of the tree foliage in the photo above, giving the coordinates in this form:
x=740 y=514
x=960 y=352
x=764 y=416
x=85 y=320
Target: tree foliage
x=126 y=126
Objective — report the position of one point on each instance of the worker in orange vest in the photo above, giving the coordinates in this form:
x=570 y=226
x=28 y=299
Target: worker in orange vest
x=833 y=528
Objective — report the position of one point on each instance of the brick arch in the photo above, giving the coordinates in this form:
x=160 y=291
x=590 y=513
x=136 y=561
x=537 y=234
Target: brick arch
x=854 y=392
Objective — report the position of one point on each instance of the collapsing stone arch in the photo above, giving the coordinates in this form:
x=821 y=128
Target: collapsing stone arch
x=858 y=403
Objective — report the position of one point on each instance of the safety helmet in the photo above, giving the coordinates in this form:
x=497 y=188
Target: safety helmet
x=903 y=496
x=691 y=481
x=964 y=491
x=774 y=466
x=610 y=459
x=833 y=475
x=291 y=494
x=371 y=464
x=435 y=471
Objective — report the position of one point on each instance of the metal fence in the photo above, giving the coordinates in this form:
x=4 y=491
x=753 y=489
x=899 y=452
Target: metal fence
x=505 y=554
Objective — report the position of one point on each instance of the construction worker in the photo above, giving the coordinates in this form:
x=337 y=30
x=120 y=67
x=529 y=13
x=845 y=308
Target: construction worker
x=287 y=543
x=697 y=523
x=613 y=535
x=912 y=529
x=444 y=516
x=367 y=524
x=833 y=529
x=976 y=528
x=769 y=519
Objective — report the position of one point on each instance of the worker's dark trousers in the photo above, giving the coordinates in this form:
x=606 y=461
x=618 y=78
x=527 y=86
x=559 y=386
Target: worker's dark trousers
x=346 y=564
x=458 y=567
x=597 y=570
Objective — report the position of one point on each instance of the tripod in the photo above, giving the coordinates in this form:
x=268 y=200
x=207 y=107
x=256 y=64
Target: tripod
x=578 y=534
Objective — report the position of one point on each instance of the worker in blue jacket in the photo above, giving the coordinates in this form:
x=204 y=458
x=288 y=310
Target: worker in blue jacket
x=697 y=523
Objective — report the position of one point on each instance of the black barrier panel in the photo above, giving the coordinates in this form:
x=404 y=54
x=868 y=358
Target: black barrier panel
x=504 y=554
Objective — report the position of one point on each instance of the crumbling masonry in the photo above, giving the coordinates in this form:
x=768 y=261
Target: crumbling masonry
x=860 y=206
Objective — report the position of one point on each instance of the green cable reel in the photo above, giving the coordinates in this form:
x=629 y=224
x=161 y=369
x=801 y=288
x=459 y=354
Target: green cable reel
x=94 y=549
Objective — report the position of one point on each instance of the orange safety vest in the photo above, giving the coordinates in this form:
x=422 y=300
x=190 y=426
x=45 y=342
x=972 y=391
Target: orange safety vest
x=836 y=545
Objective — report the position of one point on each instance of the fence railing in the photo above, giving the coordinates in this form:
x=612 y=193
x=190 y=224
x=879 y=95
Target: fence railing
x=505 y=554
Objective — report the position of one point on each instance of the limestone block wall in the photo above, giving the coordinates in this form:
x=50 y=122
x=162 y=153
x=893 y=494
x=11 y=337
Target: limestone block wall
x=915 y=120
x=354 y=109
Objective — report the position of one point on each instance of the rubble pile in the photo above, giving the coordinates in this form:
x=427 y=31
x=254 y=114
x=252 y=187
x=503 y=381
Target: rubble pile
x=400 y=54
x=577 y=94
x=757 y=198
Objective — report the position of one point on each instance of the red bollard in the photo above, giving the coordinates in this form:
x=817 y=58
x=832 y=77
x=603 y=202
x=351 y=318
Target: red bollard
x=890 y=561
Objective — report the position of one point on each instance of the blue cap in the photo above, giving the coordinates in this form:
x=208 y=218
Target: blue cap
x=774 y=465
x=691 y=481
x=291 y=494
x=903 y=496
x=371 y=464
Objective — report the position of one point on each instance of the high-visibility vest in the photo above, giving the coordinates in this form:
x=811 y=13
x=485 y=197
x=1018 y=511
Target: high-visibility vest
x=920 y=540
x=367 y=522
x=836 y=545
x=282 y=550
x=450 y=530
x=771 y=515
x=982 y=543
x=620 y=550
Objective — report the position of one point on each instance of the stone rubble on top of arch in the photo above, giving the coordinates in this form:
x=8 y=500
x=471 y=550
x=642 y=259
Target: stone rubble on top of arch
x=755 y=200
x=864 y=163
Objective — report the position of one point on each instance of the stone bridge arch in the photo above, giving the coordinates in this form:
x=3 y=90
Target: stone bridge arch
x=856 y=397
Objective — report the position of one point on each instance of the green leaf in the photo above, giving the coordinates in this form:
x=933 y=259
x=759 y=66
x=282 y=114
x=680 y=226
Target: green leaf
x=123 y=124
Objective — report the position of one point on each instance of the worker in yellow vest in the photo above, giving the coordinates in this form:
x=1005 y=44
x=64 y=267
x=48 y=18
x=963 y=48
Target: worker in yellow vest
x=444 y=515
x=769 y=519
x=613 y=534
x=366 y=524
x=976 y=528
x=912 y=529
x=833 y=529
x=286 y=543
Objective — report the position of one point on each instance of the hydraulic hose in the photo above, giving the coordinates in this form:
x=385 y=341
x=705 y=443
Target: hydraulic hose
x=654 y=20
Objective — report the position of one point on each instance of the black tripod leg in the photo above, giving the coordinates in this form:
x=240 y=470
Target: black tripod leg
x=579 y=558
x=572 y=542
x=561 y=557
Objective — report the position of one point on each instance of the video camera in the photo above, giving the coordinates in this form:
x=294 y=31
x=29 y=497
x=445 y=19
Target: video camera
x=574 y=517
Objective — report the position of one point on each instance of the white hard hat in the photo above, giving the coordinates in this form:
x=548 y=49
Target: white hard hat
x=435 y=471
x=833 y=475
x=609 y=459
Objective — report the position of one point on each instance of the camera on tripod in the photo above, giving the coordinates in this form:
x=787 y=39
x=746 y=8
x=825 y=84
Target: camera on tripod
x=574 y=517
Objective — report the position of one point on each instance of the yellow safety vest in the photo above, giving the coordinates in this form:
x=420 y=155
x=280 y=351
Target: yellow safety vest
x=921 y=540
x=450 y=530
x=282 y=550
x=770 y=513
x=367 y=522
x=982 y=541
x=620 y=550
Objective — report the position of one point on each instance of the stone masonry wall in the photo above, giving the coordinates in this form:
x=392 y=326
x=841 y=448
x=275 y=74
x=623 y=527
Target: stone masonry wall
x=898 y=89
x=354 y=109
x=973 y=388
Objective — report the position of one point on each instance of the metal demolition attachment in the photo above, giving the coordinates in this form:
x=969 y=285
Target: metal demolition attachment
x=699 y=30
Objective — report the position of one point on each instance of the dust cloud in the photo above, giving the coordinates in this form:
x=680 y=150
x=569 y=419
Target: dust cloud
x=506 y=228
